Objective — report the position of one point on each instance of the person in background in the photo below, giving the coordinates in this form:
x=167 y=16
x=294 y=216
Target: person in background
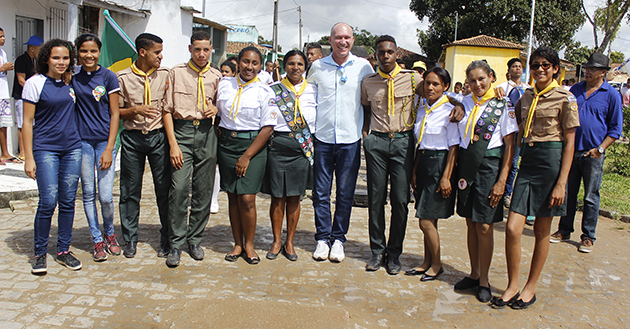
x=52 y=146
x=420 y=67
x=96 y=89
x=313 y=53
x=228 y=69
x=626 y=93
x=141 y=97
x=24 y=69
x=601 y=122
x=6 y=117
x=458 y=88
x=337 y=139
x=466 y=89
x=401 y=63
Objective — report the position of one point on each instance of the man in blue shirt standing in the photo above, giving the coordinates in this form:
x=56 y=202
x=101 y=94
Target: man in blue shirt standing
x=601 y=118
x=337 y=139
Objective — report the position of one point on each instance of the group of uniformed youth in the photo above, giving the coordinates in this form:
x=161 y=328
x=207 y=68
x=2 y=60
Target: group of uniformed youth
x=304 y=130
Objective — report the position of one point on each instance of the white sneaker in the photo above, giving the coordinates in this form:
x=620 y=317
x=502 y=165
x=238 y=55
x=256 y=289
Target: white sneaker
x=336 y=253
x=214 y=208
x=322 y=250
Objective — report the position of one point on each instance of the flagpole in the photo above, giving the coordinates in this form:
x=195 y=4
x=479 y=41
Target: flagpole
x=529 y=44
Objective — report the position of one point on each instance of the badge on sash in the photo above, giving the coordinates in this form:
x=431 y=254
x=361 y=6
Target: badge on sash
x=512 y=114
x=462 y=184
x=487 y=136
x=484 y=115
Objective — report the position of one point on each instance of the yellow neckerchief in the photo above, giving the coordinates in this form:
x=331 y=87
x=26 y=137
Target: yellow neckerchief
x=147 y=86
x=237 y=98
x=289 y=85
x=443 y=100
x=201 y=91
x=532 y=108
x=390 y=87
x=473 y=114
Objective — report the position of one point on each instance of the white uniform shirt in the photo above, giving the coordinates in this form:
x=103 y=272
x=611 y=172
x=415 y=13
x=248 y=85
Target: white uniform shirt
x=265 y=77
x=439 y=133
x=4 y=82
x=308 y=107
x=506 y=124
x=256 y=109
x=509 y=85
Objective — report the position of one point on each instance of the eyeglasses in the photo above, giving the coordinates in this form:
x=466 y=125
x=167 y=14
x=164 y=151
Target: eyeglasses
x=341 y=70
x=535 y=66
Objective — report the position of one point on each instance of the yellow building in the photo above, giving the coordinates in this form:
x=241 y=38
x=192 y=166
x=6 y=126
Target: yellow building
x=457 y=55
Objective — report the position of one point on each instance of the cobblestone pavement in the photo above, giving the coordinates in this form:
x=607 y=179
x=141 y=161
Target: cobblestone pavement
x=575 y=290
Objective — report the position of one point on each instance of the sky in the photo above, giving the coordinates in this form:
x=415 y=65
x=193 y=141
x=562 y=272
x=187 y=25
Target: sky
x=391 y=17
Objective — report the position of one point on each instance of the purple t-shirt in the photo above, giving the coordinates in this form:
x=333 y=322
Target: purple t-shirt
x=93 y=90
x=55 y=126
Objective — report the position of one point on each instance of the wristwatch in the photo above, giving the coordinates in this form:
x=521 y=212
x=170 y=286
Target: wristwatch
x=600 y=150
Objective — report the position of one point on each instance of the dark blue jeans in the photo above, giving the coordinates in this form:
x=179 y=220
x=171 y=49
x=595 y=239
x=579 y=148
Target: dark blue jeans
x=343 y=160
x=57 y=177
x=509 y=183
x=591 y=171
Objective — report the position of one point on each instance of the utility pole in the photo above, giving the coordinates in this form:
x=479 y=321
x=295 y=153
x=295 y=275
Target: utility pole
x=529 y=44
x=203 y=8
x=456 y=21
x=300 y=11
x=275 y=30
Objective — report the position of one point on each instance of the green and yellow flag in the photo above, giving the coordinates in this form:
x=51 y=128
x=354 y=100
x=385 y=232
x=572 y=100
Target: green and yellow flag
x=118 y=51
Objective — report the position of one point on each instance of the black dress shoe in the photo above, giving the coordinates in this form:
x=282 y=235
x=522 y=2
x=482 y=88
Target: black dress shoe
x=232 y=258
x=252 y=260
x=130 y=249
x=497 y=302
x=426 y=277
x=393 y=265
x=484 y=294
x=414 y=272
x=195 y=251
x=173 y=257
x=165 y=249
x=519 y=304
x=272 y=256
x=291 y=257
x=466 y=283
x=374 y=263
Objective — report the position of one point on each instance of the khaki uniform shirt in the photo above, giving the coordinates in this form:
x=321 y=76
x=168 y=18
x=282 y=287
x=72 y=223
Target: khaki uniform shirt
x=181 y=98
x=374 y=94
x=132 y=94
x=557 y=110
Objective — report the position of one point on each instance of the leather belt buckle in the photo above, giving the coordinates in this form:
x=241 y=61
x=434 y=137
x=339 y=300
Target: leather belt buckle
x=195 y=122
x=531 y=144
x=392 y=135
x=234 y=134
x=422 y=152
x=144 y=132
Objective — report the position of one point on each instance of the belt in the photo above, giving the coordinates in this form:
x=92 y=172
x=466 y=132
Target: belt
x=145 y=132
x=239 y=134
x=282 y=133
x=393 y=135
x=546 y=145
x=490 y=153
x=203 y=122
x=433 y=152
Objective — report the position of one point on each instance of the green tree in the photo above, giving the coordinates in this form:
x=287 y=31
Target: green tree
x=555 y=23
x=262 y=40
x=617 y=57
x=607 y=19
x=578 y=54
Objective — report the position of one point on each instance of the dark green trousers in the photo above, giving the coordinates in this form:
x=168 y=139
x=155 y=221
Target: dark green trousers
x=199 y=150
x=136 y=147
x=388 y=158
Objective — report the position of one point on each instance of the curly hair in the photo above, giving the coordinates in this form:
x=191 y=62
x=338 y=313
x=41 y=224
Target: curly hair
x=46 y=50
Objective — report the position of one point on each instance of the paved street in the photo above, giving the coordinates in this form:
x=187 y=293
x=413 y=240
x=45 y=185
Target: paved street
x=575 y=290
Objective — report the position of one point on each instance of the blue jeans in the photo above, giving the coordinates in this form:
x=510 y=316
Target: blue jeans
x=509 y=182
x=591 y=171
x=92 y=151
x=343 y=160
x=57 y=177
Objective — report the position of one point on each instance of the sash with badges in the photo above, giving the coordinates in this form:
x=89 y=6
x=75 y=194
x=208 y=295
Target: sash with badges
x=472 y=157
x=299 y=127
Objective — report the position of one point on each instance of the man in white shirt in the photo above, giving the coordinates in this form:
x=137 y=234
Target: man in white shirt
x=514 y=89
x=337 y=139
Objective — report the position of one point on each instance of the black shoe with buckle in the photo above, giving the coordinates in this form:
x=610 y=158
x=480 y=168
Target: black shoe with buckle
x=375 y=262
x=173 y=257
x=130 y=249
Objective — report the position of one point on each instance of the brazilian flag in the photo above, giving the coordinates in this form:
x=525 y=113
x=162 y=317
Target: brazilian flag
x=118 y=51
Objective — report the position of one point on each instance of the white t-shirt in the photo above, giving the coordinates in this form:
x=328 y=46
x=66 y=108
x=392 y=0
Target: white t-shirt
x=4 y=82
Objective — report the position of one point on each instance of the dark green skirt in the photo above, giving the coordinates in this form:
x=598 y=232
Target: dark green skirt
x=537 y=176
x=288 y=169
x=429 y=204
x=477 y=205
x=229 y=151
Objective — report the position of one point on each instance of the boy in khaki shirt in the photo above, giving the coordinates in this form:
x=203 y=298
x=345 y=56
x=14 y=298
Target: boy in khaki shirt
x=141 y=95
x=188 y=121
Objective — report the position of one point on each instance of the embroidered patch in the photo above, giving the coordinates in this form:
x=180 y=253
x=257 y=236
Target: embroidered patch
x=295 y=128
x=494 y=120
x=488 y=109
x=98 y=92
x=290 y=104
x=512 y=114
x=274 y=115
x=462 y=184
x=571 y=98
x=490 y=128
x=166 y=86
x=481 y=122
x=574 y=106
x=497 y=112
x=484 y=115
x=475 y=138
x=71 y=93
x=493 y=103
x=487 y=136
x=272 y=102
x=500 y=104
x=478 y=130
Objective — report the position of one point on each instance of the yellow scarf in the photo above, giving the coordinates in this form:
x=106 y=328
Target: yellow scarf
x=443 y=100
x=201 y=91
x=473 y=114
x=390 y=87
x=237 y=98
x=147 y=86
x=532 y=108
x=289 y=85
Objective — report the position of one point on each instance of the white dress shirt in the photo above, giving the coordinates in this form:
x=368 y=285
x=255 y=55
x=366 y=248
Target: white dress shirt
x=439 y=133
x=308 y=107
x=506 y=124
x=256 y=108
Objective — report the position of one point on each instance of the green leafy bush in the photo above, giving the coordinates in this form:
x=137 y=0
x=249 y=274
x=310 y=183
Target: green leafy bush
x=618 y=154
